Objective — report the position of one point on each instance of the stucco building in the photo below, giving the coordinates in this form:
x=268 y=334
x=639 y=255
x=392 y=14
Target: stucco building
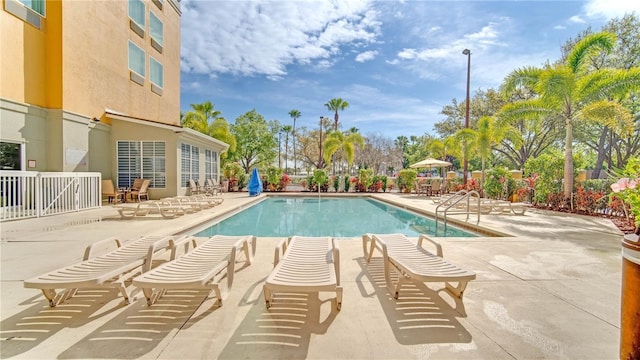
x=95 y=86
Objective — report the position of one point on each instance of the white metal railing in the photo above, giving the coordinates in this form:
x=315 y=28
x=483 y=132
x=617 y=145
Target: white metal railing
x=25 y=194
x=455 y=200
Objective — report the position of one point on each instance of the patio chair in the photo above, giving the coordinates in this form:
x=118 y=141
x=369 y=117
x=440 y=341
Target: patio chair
x=142 y=191
x=435 y=188
x=309 y=264
x=110 y=192
x=202 y=268
x=506 y=207
x=166 y=209
x=194 y=188
x=414 y=262
x=110 y=270
x=137 y=184
x=211 y=187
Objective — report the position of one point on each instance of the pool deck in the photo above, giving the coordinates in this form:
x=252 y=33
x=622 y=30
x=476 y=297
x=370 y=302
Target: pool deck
x=549 y=290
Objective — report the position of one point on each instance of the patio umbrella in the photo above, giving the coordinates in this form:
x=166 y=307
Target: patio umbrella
x=255 y=184
x=430 y=163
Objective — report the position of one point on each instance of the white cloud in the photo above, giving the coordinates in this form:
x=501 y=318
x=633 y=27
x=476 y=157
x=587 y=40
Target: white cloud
x=366 y=56
x=263 y=37
x=610 y=9
x=576 y=20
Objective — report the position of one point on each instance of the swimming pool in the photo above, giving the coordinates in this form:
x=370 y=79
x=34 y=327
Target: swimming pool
x=337 y=217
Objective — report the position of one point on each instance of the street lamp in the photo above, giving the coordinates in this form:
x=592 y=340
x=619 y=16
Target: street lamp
x=320 y=143
x=466 y=115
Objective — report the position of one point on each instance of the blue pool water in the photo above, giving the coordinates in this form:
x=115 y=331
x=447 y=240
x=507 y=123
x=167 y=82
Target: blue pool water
x=337 y=217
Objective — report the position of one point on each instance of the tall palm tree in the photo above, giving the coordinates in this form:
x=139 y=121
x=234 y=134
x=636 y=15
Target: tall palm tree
x=489 y=134
x=346 y=142
x=336 y=105
x=200 y=117
x=295 y=114
x=206 y=119
x=569 y=91
x=463 y=143
x=287 y=129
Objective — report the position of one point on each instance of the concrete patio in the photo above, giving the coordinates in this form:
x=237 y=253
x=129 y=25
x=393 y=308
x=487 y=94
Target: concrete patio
x=551 y=289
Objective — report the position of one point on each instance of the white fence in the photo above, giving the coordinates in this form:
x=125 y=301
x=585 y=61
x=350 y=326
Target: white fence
x=25 y=194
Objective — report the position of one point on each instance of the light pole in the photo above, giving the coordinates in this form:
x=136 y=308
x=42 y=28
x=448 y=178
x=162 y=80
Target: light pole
x=320 y=144
x=466 y=115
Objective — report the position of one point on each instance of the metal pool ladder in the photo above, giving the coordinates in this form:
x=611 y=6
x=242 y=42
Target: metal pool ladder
x=455 y=199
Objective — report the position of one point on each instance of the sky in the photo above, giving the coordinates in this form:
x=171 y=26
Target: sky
x=397 y=63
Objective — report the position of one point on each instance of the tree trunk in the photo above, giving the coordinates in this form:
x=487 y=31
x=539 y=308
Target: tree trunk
x=601 y=153
x=568 y=161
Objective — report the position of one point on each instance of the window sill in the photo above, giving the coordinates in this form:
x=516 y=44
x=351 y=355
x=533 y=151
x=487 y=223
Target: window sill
x=136 y=78
x=136 y=28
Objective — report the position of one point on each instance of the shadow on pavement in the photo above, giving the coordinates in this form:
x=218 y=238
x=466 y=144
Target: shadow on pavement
x=420 y=315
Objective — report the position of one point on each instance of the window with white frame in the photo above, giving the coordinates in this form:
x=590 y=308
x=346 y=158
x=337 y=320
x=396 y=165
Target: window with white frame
x=137 y=62
x=141 y=160
x=36 y=5
x=189 y=164
x=137 y=12
x=211 y=164
x=155 y=30
x=156 y=72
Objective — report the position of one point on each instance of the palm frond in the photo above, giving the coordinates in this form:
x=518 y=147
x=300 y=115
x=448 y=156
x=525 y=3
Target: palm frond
x=590 y=44
x=612 y=114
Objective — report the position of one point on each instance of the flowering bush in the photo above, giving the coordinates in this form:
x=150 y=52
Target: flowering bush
x=627 y=188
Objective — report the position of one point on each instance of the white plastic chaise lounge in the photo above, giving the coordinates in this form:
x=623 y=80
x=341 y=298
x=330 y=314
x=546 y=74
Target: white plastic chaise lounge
x=414 y=262
x=109 y=270
x=202 y=268
x=310 y=264
x=166 y=209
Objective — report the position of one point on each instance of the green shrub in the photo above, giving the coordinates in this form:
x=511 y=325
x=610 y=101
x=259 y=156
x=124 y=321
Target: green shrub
x=406 y=179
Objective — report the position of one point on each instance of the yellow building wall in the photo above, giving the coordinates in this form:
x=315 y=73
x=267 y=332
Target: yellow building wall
x=96 y=74
x=22 y=66
x=78 y=61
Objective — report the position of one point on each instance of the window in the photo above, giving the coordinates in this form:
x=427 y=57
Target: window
x=141 y=159
x=211 y=165
x=29 y=11
x=137 y=15
x=136 y=63
x=155 y=30
x=35 y=5
x=156 y=75
x=10 y=156
x=190 y=164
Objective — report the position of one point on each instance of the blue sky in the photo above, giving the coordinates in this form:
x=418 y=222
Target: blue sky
x=397 y=63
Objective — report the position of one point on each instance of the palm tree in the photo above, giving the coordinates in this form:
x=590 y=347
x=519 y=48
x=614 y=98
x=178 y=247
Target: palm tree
x=336 y=105
x=463 y=143
x=201 y=116
x=489 y=134
x=346 y=142
x=569 y=91
x=287 y=129
x=205 y=119
x=295 y=114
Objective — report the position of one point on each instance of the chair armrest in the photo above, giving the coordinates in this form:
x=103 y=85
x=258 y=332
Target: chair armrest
x=89 y=249
x=437 y=245
x=185 y=241
x=153 y=248
x=336 y=259
x=282 y=246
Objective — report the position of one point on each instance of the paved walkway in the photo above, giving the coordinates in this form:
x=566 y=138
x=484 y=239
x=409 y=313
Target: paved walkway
x=551 y=289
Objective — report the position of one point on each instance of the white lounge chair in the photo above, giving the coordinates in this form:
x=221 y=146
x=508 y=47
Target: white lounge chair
x=166 y=209
x=109 y=270
x=310 y=264
x=412 y=261
x=202 y=268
